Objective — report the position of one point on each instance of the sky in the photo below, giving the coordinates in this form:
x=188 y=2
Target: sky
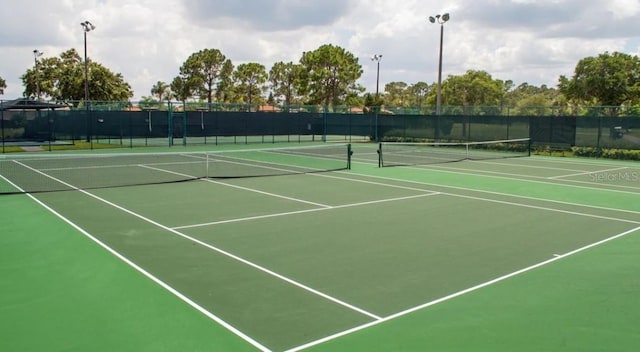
x=526 y=41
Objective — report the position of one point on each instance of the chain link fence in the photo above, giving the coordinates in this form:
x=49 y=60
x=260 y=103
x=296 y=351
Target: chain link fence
x=171 y=124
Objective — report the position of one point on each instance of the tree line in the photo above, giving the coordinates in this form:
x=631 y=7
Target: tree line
x=329 y=76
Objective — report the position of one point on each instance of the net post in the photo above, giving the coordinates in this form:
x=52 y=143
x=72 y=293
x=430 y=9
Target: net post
x=467 y=156
x=206 y=160
x=380 y=164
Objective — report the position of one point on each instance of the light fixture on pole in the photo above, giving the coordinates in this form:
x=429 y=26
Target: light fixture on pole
x=377 y=57
x=36 y=54
x=440 y=19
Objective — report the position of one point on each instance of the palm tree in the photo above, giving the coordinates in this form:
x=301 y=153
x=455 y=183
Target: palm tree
x=161 y=90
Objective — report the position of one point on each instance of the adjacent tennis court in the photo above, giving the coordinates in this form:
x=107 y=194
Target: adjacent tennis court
x=319 y=248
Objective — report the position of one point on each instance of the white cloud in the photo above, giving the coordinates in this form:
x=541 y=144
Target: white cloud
x=621 y=9
x=147 y=41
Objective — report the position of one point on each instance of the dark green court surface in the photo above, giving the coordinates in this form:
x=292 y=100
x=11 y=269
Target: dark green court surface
x=153 y=252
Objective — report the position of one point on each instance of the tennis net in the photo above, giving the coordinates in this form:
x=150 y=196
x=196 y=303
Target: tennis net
x=407 y=154
x=65 y=172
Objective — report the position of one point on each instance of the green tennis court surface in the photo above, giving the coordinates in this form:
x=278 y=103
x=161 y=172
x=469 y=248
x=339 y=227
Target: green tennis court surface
x=514 y=254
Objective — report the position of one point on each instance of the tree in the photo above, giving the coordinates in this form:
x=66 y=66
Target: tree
x=183 y=88
x=331 y=74
x=203 y=69
x=161 y=90
x=105 y=85
x=285 y=81
x=3 y=85
x=354 y=97
x=396 y=94
x=68 y=70
x=528 y=99
x=371 y=103
x=250 y=78
x=224 y=89
x=62 y=78
x=418 y=93
x=474 y=88
x=609 y=80
x=271 y=100
x=150 y=103
x=507 y=86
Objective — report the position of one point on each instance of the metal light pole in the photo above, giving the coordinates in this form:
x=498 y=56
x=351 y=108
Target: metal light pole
x=86 y=27
x=377 y=57
x=36 y=54
x=440 y=19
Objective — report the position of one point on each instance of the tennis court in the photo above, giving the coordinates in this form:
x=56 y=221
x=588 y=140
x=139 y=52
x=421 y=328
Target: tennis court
x=317 y=248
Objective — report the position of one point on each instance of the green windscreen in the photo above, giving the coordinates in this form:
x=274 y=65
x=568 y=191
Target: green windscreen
x=50 y=173
x=398 y=154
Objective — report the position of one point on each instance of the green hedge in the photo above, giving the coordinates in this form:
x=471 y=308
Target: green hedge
x=619 y=154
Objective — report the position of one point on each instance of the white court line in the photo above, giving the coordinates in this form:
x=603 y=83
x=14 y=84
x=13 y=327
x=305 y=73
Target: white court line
x=554 y=210
x=218 y=250
x=582 y=161
x=421 y=190
x=607 y=184
x=404 y=187
x=527 y=179
x=267 y=165
x=528 y=166
x=586 y=173
x=240 y=187
x=493 y=200
x=266 y=216
x=12 y=184
x=460 y=293
x=97 y=167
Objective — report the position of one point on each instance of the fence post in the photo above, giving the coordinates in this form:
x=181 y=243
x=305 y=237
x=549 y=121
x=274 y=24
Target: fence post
x=377 y=111
x=324 y=123
x=2 y=125
x=599 y=135
x=170 y=123
x=184 y=126
x=50 y=130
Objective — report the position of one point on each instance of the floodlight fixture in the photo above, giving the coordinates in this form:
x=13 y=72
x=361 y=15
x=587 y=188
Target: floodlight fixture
x=87 y=26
